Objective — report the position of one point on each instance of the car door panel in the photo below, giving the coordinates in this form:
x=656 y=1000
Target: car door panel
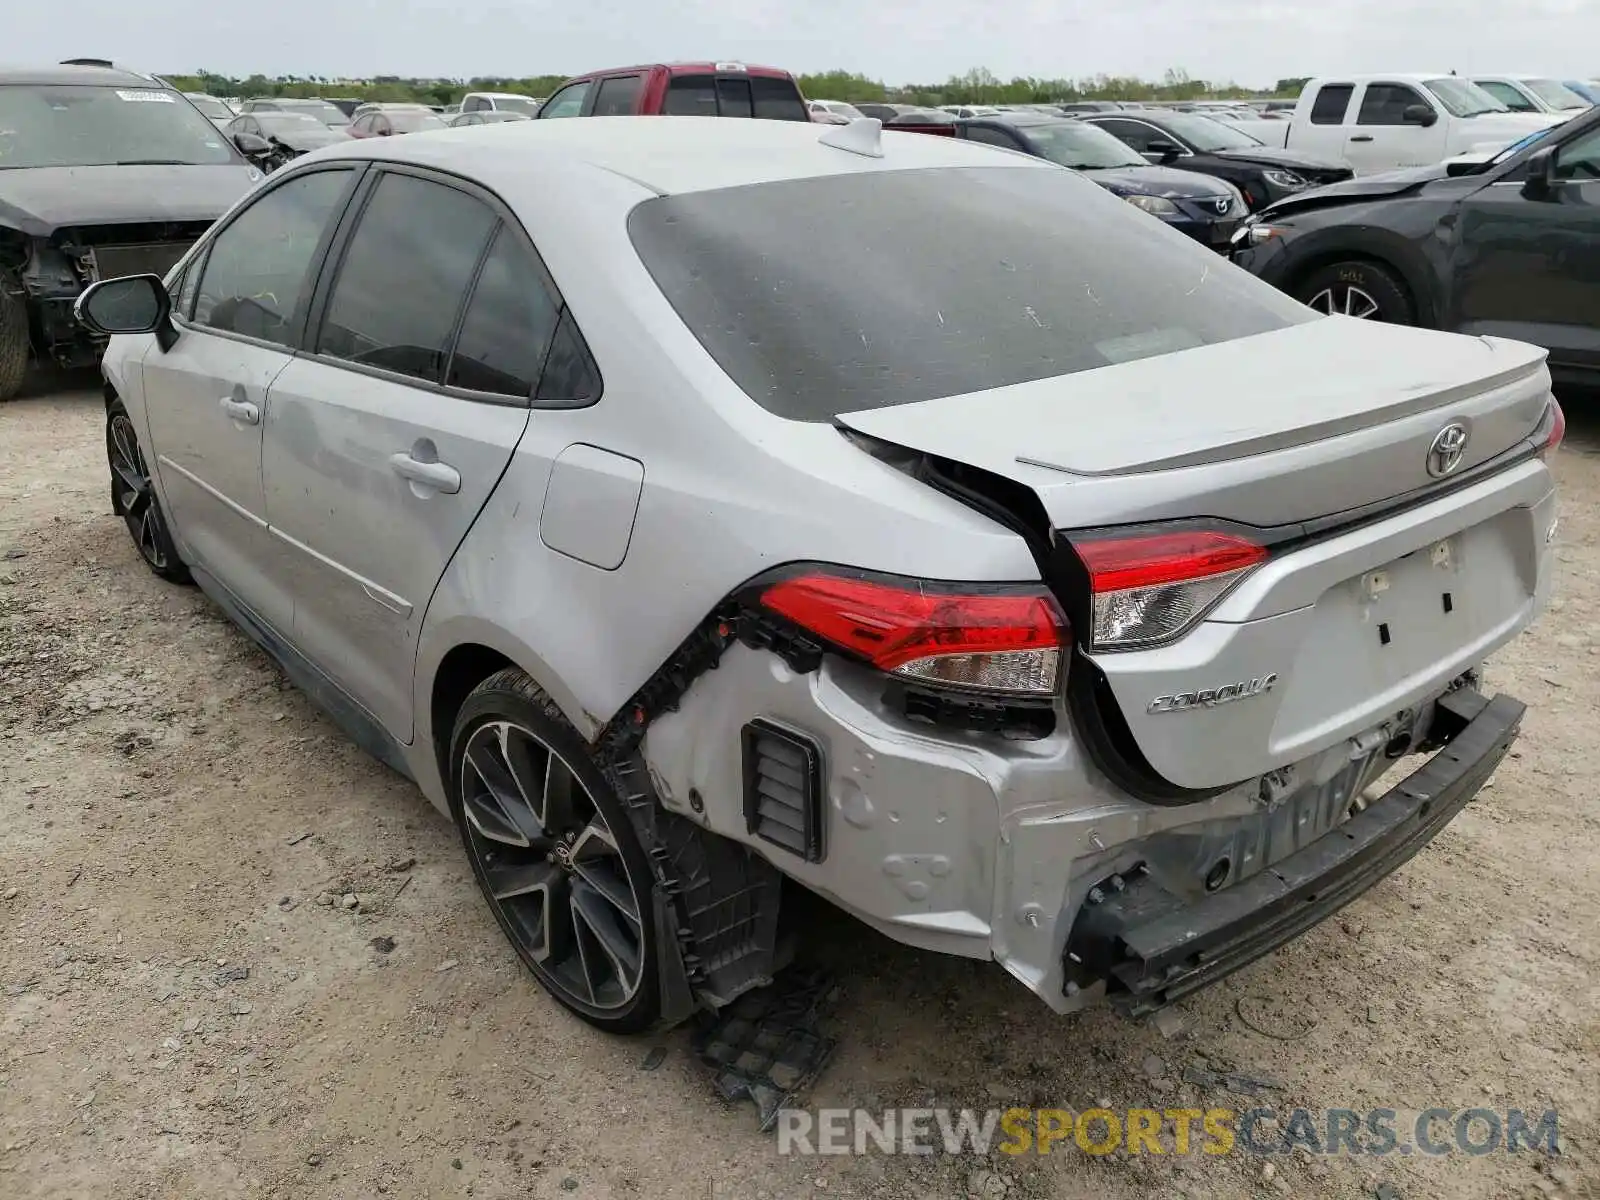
x=1380 y=140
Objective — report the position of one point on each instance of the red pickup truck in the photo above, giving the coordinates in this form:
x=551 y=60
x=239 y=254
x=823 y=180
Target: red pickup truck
x=704 y=89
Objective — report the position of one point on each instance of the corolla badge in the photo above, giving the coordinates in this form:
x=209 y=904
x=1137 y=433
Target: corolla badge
x=1448 y=449
x=1213 y=696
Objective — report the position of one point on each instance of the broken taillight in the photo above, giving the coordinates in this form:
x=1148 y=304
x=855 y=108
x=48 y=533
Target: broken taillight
x=1000 y=639
x=1150 y=588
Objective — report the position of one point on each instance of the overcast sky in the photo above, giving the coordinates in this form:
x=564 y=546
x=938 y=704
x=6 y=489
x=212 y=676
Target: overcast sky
x=1254 y=42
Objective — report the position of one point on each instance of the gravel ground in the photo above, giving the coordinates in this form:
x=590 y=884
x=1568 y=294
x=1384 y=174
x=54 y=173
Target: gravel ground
x=181 y=1017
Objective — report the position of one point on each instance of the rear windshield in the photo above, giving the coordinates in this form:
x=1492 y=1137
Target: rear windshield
x=869 y=289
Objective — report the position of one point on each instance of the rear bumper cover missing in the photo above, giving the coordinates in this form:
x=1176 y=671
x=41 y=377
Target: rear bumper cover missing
x=1153 y=948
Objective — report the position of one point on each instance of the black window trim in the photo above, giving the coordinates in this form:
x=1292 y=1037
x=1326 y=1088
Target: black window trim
x=333 y=261
x=357 y=169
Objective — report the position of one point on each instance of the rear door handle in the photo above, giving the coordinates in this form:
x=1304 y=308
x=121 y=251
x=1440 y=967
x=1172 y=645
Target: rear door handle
x=441 y=477
x=1361 y=137
x=241 y=410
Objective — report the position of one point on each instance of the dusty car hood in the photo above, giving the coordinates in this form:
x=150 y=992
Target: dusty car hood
x=39 y=200
x=1271 y=156
x=1158 y=181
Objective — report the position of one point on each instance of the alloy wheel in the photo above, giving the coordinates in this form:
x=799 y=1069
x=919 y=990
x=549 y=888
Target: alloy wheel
x=552 y=867
x=1346 y=300
x=135 y=499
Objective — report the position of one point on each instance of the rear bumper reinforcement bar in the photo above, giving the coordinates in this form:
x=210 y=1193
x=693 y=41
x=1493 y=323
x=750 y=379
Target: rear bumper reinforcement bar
x=1154 y=948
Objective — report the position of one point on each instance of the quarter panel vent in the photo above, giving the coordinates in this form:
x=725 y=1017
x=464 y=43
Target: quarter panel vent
x=783 y=788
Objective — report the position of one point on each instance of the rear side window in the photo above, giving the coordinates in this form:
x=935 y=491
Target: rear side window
x=777 y=99
x=404 y=276
x=1386 y=104
x=1332 y=102
x=508 y=324
x=257 y=267
x=691 y=96
x=617 y=96
x=826 y=295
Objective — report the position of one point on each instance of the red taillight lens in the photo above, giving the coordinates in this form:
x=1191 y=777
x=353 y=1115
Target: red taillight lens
x=1557 y=422
x=1149 y=588
x=992 y=640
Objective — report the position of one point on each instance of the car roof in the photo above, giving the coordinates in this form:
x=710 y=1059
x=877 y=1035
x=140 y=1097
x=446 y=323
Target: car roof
x=82 y=76
x=1021 y=120
x=724 y=66
x=666 y=155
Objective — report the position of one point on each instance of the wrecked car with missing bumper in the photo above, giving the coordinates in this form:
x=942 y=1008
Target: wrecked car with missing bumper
x=1052 y=595
x=103 y=172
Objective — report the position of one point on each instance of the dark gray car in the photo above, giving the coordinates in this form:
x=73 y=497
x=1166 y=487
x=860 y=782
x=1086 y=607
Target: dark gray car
x=103 y=172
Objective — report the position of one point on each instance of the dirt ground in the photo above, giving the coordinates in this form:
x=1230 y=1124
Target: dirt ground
x=181 y=1017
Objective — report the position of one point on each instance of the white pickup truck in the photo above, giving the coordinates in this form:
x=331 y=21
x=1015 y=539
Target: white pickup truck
x=1385 y=122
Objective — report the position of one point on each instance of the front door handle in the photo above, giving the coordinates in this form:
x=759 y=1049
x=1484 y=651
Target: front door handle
x=438 y=476
x=1362 y=137
x=241 y=410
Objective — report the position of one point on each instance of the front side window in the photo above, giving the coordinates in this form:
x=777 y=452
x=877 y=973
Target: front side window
x=568 y=102
x=474 y=103
x=404 y=276
x=1579 y=159
x=1508 y=95
x=508 y=324
x=827 y=295
x=1136 y=134
x=77 y=126
x=1332 y=102
x=1386 y=104
x=617 y=96
x=258 y=267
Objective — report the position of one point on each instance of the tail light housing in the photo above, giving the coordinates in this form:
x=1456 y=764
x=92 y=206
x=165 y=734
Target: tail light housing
x=999 y=640
x=1552 y=430
x=1150 y=588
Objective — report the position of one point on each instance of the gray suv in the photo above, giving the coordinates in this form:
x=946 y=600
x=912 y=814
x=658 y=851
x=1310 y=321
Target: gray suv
x=689 y=512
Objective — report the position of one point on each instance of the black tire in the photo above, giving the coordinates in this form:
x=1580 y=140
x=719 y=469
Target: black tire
x=508 y=716
x=13 y=344
x=134 y=499
x=1358 y=288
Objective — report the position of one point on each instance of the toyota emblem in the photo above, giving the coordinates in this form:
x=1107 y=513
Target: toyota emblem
x=1448 y=448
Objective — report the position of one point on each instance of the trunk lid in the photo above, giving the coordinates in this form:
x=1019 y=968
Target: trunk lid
x=1282 y=427
x=1333 y=636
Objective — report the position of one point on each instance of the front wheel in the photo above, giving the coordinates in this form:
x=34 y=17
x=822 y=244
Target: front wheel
x=13 y=343
x=133 y=498
x=555 y=854
x=1357 y=289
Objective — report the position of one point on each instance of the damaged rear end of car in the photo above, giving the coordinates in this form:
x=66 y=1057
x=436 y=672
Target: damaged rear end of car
x=1273 y=551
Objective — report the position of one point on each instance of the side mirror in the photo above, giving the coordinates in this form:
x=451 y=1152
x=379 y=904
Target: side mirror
x=252 y=145
x=1419 y=114
x=132 y=304
x=1541 y=181
x=1163 y=152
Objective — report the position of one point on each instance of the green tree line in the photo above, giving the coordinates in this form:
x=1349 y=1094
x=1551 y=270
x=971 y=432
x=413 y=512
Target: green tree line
x=977 y=86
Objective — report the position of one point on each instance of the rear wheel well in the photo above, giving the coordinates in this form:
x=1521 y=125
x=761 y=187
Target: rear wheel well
x=461 y=670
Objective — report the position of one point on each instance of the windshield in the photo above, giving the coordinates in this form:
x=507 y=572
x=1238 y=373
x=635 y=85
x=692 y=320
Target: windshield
x=212 y=107
x=849 y=291
x=1558 y=96
x=1207 y=135
x=77 y=126
x=415 y=120
x=1463 y=98
x=522 y=104
x=321 y=110
x=1081 y=146
x=287 y=122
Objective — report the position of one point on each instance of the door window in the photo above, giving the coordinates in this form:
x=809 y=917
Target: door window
x=1386 y=104
x=1507 y=95
x=1135 y=134
x=568 y=102
x=691 y=96
x=404 y=275
x=991 y=137
x=617 y=96
x=1331 y=104
x=733 y=97
x=508 y=325
x=258 y=267
x=474 y=103
x=1579 y=159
